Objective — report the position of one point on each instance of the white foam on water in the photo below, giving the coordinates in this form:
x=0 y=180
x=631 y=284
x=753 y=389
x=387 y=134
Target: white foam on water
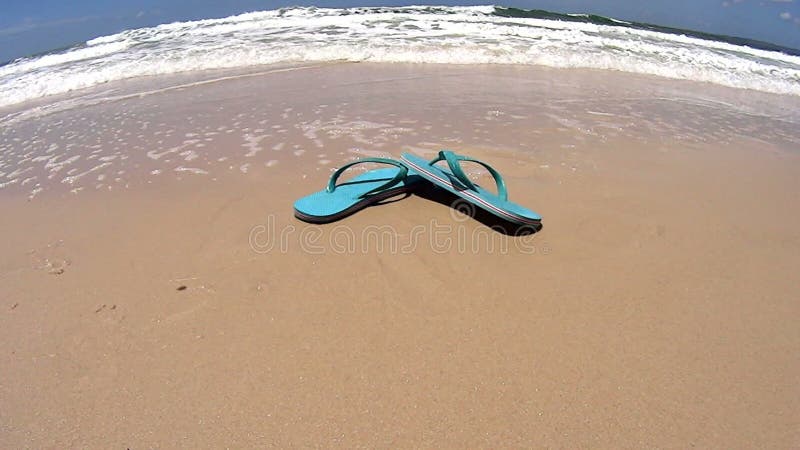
x=448 y=35
x=73 y=178
x=253 y=142
x=189 y=155
x=34 y=192
x=193 y=170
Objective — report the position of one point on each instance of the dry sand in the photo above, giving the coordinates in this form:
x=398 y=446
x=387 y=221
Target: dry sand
x=658 y=306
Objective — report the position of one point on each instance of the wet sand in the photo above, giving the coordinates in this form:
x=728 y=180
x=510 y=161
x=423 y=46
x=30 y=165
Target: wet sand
x=168 y=298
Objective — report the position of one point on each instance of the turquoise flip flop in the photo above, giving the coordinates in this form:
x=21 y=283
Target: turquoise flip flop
x=338 y=201
x=457 y=182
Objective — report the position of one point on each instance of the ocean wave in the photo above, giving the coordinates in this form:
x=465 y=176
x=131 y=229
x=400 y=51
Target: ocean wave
x=450 y=35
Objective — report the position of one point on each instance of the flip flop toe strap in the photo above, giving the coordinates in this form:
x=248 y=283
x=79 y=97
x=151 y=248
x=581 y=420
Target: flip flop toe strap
x=401 y=174
x=454 y=163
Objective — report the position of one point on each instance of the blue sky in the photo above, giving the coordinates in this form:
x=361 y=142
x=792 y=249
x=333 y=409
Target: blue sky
x=33 y=26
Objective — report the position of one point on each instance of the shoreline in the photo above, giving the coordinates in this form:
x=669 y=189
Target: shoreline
x=548 y=109
x=144 y=85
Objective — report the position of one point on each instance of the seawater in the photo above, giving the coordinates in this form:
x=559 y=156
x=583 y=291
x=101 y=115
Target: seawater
x=435 y=35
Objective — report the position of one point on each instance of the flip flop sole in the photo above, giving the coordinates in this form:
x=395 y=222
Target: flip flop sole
x=371 y=200
x=346 y=199
x=481 y=198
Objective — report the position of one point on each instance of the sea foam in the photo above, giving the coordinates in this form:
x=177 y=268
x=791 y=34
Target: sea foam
x=449 y=35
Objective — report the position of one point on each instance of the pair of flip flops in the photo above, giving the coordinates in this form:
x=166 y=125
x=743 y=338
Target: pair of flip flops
x=337 y=201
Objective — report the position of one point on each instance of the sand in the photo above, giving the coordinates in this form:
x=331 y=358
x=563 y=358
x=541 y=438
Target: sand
x=169 y=299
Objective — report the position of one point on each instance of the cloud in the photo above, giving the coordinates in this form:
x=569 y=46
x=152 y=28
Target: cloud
x=781 y=1
x=786 y=16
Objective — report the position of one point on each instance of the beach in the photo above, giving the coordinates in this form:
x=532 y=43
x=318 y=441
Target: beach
x=156 y=290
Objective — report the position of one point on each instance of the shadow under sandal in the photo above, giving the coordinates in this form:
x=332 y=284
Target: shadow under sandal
x=456 y=181
x=338 y=201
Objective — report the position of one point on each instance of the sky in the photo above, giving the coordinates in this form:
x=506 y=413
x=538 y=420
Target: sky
x=34 y=26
